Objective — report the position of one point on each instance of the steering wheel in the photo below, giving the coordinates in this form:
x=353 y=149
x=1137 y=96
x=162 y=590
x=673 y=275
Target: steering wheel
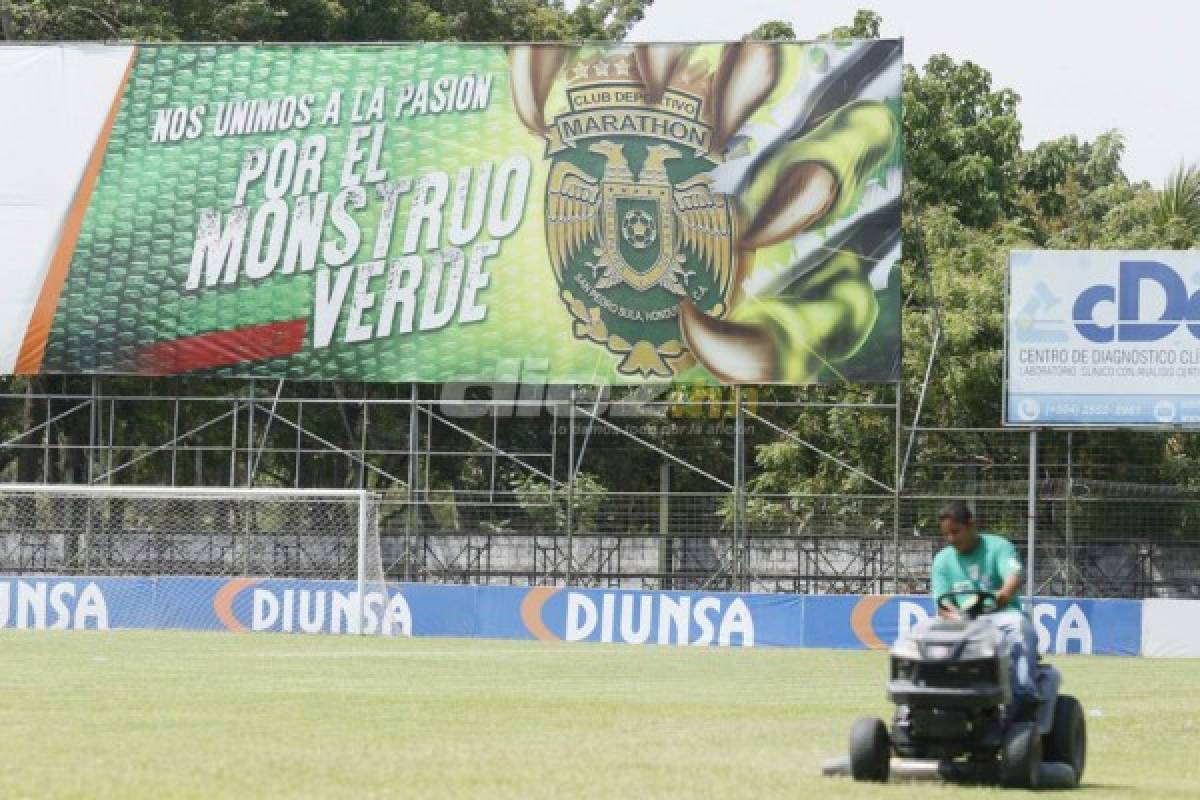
x=983 y=602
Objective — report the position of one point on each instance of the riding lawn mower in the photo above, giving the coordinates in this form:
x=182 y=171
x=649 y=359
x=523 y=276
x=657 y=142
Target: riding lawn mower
x=955 y=716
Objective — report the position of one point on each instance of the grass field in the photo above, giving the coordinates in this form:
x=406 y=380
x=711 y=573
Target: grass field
x=166 y=714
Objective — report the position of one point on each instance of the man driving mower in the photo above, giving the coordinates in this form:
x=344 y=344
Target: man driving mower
x=972 y=703
x=975 y=560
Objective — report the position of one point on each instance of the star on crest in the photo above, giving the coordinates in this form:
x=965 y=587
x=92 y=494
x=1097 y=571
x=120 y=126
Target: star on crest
x=621 y=65
x=580 y=72
x=601 y=69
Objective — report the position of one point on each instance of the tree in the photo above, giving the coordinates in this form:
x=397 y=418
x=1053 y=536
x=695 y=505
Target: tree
x=7 y=26
x=775 y=30
x=866 y=25
x=1177 y=212
x=962 y=140
x=1065 y=187
x=326 y=20
x=58 y=20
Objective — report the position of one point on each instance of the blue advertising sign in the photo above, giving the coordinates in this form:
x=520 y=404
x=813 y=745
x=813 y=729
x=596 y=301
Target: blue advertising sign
x=1107 y=338
x=1102 y=627
x=1064 y=625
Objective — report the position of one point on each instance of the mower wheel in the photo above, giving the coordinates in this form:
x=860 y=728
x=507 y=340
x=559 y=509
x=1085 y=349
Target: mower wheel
x=1067 y=740
x=1021 y=756
x=870 y=750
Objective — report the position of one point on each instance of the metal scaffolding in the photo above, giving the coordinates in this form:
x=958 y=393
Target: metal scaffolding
x=638 y=489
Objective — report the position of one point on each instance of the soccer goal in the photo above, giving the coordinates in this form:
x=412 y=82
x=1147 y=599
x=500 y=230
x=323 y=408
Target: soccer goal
x=280 y=534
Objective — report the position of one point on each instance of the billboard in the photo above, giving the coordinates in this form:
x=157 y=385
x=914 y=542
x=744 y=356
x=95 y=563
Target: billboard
x=718 y=213
x=1106 y=338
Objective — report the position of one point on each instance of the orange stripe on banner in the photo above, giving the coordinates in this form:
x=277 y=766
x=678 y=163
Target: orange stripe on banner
x=862 y=621
x=33 y=347
x=223 y=602
x=531 y=612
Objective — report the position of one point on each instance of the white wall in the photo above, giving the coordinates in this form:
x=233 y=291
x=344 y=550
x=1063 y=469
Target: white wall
x=1171 y=628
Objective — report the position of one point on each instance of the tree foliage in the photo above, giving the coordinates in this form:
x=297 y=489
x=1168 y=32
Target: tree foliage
x=962 y=140
x=866 y=25
x=1179 y=201
x=775 y=30
x=326 y=20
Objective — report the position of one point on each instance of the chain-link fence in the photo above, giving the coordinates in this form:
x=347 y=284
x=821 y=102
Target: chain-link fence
x=1117 y=512
x=651 y=540
x=670 y=541
x=1111 y=522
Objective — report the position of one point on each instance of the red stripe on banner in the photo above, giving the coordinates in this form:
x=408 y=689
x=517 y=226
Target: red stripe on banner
x=223 y=348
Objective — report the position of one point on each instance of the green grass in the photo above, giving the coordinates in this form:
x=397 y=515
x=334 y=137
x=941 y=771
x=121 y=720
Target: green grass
x=166 y=714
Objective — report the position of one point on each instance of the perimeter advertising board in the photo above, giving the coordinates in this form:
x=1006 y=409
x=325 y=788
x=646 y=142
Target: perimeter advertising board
x=605 y=213
x=547 y=613
x=1106 y=338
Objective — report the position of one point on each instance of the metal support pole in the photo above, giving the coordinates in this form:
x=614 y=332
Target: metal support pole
x=1068 y=560
x=1032 y=520
x=174 y=438
x=112 y=426
x=495 y=447
x=237 y=403
x=571 y=488
x=93 y=417
x=362 y=562
x=428 y=453
x=299 y=432
x=739 y=496
x=250 y=434
x=46 y=442
x=410 y=528
x=92 y=414
x=665 y=559
x=258 y=448
x=556 y=408
x=362 y=445
x=898 y=486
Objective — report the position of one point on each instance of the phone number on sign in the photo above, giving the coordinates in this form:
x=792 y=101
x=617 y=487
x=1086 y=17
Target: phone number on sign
x=1085 y=410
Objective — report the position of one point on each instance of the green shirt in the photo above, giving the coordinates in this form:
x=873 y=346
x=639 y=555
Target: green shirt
x=986 y=567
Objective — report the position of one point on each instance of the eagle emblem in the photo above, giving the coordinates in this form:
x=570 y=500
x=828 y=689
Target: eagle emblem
x=635 y=245
x=615 y=219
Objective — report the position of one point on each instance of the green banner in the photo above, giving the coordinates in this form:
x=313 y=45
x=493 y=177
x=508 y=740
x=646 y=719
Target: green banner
x=437 y=212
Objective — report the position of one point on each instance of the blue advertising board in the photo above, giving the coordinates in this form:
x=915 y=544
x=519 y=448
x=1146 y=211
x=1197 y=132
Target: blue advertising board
x=1106 y=338
x=1102 y=627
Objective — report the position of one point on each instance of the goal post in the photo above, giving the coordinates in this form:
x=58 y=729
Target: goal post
x=262 y=536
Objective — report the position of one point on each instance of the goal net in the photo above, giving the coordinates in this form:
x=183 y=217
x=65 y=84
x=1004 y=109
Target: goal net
x=299 y=559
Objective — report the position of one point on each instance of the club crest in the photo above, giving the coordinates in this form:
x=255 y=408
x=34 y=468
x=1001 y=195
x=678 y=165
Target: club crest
x=633 y=225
